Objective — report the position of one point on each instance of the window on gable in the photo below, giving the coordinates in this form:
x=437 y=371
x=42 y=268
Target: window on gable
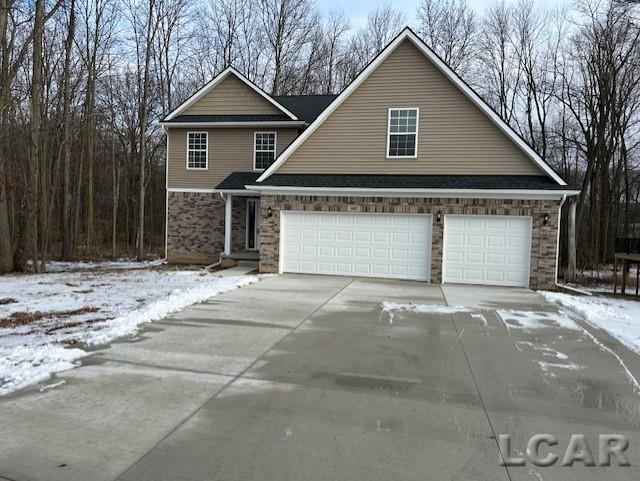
x=197 y=151
x=264 y=150
x=402 y=138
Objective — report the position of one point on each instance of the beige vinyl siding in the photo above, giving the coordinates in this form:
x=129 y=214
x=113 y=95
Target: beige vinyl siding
x=232 y=97
x=454 y=136
x=230 y=150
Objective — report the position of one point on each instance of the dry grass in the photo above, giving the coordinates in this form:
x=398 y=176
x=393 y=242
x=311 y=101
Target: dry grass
x=606 y=279
x=25 y=317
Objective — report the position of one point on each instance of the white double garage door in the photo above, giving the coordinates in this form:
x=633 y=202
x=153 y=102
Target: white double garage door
x=491 y=250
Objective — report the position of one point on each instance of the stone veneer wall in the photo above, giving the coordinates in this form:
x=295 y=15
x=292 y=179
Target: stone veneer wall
x=543 y=246
x=195 y=230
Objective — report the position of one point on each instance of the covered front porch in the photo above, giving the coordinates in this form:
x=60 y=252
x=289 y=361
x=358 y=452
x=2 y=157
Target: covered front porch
x=241 y=226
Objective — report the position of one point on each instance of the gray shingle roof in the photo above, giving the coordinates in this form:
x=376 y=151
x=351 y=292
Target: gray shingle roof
x=527 y=182
x=237 y=181
x=305 y=107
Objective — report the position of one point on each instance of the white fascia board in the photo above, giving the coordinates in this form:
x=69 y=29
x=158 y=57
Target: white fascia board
x=446 y=70
x=219 y=78
x=195 y=191
x=260 y=124
x=426 y=193
x=238 y=192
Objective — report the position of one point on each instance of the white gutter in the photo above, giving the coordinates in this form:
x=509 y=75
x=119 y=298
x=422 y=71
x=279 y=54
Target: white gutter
x=266 y=123
x=237 y=192
x=433 y=193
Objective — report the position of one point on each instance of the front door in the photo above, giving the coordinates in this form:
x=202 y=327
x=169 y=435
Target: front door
x=253 y=224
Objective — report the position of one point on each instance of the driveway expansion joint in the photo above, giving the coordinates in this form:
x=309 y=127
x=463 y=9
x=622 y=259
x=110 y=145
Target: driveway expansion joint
x=475 y=383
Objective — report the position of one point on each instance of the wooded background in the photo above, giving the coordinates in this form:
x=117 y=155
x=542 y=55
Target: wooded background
x=84 y=82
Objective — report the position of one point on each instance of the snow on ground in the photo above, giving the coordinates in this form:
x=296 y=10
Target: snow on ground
x=85 y=308
x=423 y=308
x=617 y=317
x=534 y=320
x=128 y=264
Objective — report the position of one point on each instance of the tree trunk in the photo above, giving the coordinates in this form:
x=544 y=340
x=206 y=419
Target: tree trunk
x=30 y=237
x=66 y=179
x=571 y=258
x=116 y=198
x=91 y=140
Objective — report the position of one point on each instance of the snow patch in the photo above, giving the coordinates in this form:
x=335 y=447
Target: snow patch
x=546 y=366
x=529 y=320
x=543 y=349
x=617 y=317
x=124 y=300
x=423 y=308
x=52 y=386
x=127 y=264
x=26 y=365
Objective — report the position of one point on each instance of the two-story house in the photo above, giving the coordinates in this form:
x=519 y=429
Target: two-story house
x=406 y=174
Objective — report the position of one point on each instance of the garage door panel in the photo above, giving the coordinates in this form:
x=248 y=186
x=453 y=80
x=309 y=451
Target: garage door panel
x=496 y=259
x=379 y=245
x=487 y=250
x=363 y=236
x=342 y=235
x=400 y=237
x=475 y=240
x=327 y=251
x=326 y=235
x=495 y=277
x=308 y=234
x=496 y=241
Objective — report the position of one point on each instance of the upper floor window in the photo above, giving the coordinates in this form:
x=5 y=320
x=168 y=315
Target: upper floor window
x=264 y=151
x=402 y=135
x=197 y=150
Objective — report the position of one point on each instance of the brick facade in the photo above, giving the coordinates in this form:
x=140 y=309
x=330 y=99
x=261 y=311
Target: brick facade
x=195 y=230
x=543 y=245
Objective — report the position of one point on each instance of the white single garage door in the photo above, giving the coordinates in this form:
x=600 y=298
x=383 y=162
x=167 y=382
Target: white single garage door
x=493 y=250
x=356 y=244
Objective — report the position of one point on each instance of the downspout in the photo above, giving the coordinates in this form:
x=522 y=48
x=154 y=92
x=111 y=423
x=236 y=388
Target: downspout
x=166 y=199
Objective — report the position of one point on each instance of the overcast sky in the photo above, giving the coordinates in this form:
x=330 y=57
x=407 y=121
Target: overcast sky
x=357 y=10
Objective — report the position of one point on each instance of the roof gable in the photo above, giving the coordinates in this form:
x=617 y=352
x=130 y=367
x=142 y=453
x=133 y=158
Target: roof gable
x=230 y=93
x=404 y=74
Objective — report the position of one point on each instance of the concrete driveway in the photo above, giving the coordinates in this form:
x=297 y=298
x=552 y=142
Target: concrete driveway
x=309 y=378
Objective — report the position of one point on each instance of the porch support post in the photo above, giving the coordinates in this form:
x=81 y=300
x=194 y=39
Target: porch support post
x=228 y=204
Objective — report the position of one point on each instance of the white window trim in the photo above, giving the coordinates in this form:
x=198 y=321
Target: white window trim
x=206 y=156
x=246 y=226
x=415 y=155
x=275 y=146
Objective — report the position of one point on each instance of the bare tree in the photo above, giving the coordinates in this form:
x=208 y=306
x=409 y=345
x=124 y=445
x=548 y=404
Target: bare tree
x=449 y=28
x=498 y=76
x=144 y=19
x=66 y=134
x=600 y=90
x=333 y=49
x=287 y=26
x=383 y=24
